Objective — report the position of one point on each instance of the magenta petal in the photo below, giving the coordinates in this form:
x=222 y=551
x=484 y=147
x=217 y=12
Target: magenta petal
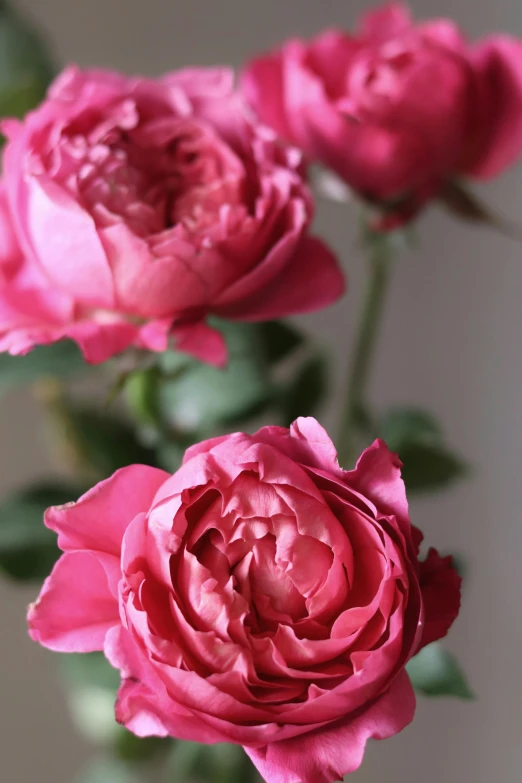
x=377 y=476
x=202 y=342
x=101 y=341
x=144 y=705
x=98 y=520
x=440 y=587
x=76 y=607
x=67 y=243
x=263 y=86
x=388 y=21
x=311 y=280
x=327 y=754
x=498 y=69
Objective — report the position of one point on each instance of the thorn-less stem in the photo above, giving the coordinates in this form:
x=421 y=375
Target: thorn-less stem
x=378 y=248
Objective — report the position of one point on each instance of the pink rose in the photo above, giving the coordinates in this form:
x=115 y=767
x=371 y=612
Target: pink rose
x=134 y=207
x=261 y=595
x=395 y=109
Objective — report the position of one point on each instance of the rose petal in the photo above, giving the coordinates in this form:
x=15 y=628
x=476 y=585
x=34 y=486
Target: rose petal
x=98 y=520
x=330 y=753
x=440 y=587
x=310 y=281
x=76 y=607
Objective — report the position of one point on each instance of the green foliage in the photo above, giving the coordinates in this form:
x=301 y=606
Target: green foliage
x=103 y=441
x=435 y=672
x=92 y=685
x=409 y=424
x=141 y=389
x=221 y=763
x=94 y=669
x=25 y=64
x=201 y=398
x=28 y=549
x=279 y=340
x=306 y=390
x=106 y=770
x=62 y=359
x=417 y=438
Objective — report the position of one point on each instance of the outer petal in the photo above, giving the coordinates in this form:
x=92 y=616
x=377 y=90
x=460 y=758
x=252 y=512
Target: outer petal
x=202 y=342
x=377 y=476
x=263 y=86
x=76 y=607
x=143 y=705
x=306 y=442
x=440 y=587
x=66 y=242
x=152 y=287
x=387 y=21
x=326 y=755
x=498 y=67
x=99 y=519
x=311 y=280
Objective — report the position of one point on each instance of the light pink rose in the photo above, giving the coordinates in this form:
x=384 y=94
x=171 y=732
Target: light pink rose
x=261 y=595
x=396 y=108
x=134 y=207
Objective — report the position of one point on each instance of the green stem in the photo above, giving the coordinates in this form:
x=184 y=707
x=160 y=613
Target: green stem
x=359 y=370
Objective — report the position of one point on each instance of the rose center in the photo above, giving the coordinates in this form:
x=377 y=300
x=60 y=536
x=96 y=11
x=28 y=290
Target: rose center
x=154 y=174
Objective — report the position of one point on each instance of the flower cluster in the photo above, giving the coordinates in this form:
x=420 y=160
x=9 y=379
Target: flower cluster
x=260 y=595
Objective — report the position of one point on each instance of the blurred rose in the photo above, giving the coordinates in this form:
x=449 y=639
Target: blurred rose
x=261 y=595
x=395 y=109
x=139 y=206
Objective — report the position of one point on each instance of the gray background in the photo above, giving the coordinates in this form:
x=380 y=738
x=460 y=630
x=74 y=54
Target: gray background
x=451 y=342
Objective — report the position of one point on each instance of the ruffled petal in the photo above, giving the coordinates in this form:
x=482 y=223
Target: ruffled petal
x=440 y=587
x=328 y=754
x=76 y=607
x=98 y=520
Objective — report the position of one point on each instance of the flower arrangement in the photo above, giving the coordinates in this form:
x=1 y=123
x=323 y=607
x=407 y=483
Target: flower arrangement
x=245 y=594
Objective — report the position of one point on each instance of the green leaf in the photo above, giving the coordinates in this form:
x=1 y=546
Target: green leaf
x=185 y=759
x=201 y=398
x=306 y=390
x=435 y=672
x=141 y=390
x=108 y=771
x=25 y=64
x=28 y=549
x=465 y=204
x=92 y=685
x=63 y=358
x=403 y=425
x=170 y=455
x=136 y=750
x=104 y=441
x=417 y=438
x=221 y=763
x=81 y=669
x=279 y=339
x=429 y=467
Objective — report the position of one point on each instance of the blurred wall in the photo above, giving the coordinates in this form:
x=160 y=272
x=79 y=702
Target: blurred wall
x=452 y=342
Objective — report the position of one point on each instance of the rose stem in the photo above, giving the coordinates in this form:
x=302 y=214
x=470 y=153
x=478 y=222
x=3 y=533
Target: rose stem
x=378 y=248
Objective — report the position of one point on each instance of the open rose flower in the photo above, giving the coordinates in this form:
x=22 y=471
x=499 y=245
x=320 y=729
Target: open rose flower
x=396 y=109
x=261 y=595
x=133 y=207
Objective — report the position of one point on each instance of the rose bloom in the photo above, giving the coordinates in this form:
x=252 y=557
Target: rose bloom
x=261 y=595
x=395 y=109
x=130 y=208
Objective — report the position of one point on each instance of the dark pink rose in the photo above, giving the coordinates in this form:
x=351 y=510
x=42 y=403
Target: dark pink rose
x=397 y=108
x=261 y=595
x=135 y=207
